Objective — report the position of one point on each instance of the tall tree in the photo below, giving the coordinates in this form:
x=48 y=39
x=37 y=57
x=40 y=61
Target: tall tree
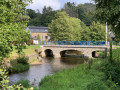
x=71 y=9
x=32 y=14
x=86 y=13
x=47 y=18
x=109 y=11
x=46 y=10
x=13 y=22
x=65 y=28
x=97 y=32
x=42 y=19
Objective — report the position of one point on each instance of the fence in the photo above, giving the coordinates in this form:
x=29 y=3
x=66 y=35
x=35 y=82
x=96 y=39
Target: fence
x=76 y=43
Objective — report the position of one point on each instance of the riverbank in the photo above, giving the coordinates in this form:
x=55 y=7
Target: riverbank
x=79 y=78
x=97 y=74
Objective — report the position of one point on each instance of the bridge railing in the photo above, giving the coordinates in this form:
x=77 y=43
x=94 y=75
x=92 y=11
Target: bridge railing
x=75 y=43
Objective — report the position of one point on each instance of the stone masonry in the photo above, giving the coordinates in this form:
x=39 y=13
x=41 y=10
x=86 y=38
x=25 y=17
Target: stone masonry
x=86 y=50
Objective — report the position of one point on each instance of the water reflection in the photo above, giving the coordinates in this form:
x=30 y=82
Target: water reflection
x=51 y=65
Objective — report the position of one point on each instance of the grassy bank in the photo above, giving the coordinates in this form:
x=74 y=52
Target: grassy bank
x=83 y=77
x=98 y=74
x=28 y=50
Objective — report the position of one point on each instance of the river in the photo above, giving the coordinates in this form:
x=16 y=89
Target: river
x=50 y=66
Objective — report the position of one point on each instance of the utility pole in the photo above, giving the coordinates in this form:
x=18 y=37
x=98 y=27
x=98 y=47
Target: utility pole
x=106 y=33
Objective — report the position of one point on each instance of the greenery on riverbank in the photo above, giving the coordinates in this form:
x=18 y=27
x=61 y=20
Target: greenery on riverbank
x=19 y=64
x=27 y=50
x=79 y=78
x=98 y=74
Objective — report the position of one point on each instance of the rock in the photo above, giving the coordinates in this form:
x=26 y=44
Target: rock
x=39 y=59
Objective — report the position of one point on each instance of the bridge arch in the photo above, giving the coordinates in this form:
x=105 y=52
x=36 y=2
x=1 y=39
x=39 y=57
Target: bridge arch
x=68 y=52
x=49 y=53
x=93 y=54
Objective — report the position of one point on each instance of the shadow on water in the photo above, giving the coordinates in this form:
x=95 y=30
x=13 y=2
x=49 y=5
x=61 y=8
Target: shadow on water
x=72 y=60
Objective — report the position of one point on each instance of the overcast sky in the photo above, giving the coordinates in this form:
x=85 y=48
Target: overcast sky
x=55 y=4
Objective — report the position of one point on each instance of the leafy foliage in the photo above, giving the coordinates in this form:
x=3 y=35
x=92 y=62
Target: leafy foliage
x=65 y=28
x=4 y=81
x=12 y=26
x=12 y=30
x=71 y=9
x=22 y=60
x=97 y=32
x=24 y=83
x=109 y=11
x=19 y=64
x=38 y=19
x=17 y=68
x=86 y=13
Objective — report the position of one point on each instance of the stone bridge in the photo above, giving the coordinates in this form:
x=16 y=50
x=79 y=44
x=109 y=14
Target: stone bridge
x=59 y=50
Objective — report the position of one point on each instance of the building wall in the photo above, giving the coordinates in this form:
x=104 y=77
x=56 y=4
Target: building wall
x=43 y=36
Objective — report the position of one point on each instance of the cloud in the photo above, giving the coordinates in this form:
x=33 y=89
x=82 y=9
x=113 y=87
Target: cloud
x=39 y=4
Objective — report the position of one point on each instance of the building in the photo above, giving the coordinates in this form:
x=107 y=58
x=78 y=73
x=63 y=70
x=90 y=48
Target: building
x=38 y=33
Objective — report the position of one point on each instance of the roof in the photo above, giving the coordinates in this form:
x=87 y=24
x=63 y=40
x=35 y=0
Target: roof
x=37 y=29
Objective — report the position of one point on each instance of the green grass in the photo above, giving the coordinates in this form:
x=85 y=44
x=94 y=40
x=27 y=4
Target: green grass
x=34 y=60
x=28 y=50
x=79 y=78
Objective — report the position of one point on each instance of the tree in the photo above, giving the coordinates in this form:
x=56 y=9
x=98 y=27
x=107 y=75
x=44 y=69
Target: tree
x=47 y=18
x=65 y=28
x=13 y=22
x=32 y=14
x=46 y=10
x=109 y=11
x=97 y=32
x=86 y=13
x=71 y=9
x=42 y=19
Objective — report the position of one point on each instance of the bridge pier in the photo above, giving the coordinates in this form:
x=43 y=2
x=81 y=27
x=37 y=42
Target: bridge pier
x=56 y=54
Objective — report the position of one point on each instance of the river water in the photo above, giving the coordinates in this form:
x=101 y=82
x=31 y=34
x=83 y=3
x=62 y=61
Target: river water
x=50 y=66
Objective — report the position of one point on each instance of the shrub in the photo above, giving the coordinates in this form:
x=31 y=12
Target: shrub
x=22 y=59
x=13 y=61
x=102 y=54
x=112 y=71
x=20 y=68
x=96 y=85
x=24 y=83
x=35 y=88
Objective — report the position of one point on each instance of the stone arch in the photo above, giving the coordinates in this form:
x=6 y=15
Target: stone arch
x=94 y=54
x=72 y=51
x=49 y=53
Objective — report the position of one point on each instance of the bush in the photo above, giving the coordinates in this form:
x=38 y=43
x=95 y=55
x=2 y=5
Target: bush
x=102 y=54
x=112 y=71
x=35 y=88
x=22 y=60
x=24 y=83
x=96 y=85
x=13 y=61
x=20 y=68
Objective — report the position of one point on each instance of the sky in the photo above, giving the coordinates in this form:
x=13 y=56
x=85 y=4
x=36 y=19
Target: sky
x=55 y=4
